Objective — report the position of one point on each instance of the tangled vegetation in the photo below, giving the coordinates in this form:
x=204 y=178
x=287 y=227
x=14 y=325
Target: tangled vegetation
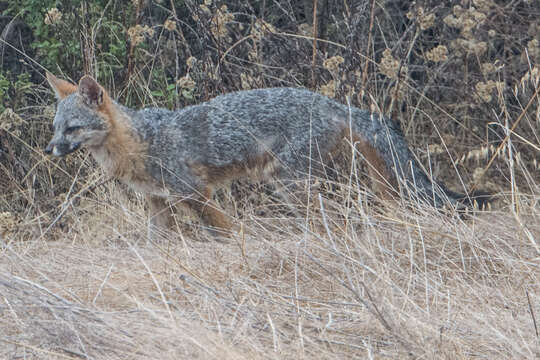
x=462 y=79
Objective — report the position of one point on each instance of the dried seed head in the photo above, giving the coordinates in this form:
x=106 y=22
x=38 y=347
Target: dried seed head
x=218 y=24
x=437 y=54
x=390 y=66
x=53 y=16
x=186 y=82
x=329 y=89
x=9 y=120
x=332 y=63
x=261 y=28
x=138 y=32
x=485 y=89
x=469 y=47
x=170 y=25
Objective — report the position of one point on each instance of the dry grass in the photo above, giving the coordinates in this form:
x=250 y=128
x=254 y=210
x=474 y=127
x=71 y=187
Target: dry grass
x=350 y=279
x=341 y=282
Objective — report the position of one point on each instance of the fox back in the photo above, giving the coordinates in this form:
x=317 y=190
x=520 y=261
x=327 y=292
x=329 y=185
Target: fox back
x=282 y=132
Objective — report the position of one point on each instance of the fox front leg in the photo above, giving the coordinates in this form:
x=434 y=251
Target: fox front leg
x=159 y=214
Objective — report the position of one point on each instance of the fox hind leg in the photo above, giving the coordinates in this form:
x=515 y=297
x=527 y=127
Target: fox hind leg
x=210 y=214
x=383 y=182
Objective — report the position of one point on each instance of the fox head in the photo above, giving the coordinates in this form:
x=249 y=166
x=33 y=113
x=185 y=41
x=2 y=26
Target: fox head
x=80 y=119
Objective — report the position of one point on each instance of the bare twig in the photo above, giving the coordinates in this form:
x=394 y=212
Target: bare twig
x=314 y=46
x=532 y=312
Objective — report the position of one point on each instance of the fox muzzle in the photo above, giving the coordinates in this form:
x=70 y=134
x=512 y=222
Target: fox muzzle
x=61 y=149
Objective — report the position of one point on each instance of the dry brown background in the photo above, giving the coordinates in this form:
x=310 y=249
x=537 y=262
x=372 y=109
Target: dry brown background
x=79 y=278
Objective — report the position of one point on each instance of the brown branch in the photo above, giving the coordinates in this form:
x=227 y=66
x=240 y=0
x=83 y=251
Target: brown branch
x=364 y=72
x=131 y=53
x=314 y=32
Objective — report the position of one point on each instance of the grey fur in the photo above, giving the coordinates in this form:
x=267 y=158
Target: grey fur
x=296 y=128
x=234 y=127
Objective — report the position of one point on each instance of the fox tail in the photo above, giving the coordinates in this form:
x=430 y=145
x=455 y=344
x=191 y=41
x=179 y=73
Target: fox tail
x=396 y=162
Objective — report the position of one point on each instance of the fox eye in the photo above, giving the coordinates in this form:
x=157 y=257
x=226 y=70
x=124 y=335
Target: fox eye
x=72 y=129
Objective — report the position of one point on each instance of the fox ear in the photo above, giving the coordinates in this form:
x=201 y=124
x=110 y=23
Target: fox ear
x=61 y=87
x=91 y=92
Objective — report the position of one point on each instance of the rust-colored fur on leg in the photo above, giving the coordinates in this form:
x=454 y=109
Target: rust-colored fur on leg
x=210 y=213
x=158 y=211
x=382 y=180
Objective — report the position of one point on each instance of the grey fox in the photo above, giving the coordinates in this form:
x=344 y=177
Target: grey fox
x=183 y=155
